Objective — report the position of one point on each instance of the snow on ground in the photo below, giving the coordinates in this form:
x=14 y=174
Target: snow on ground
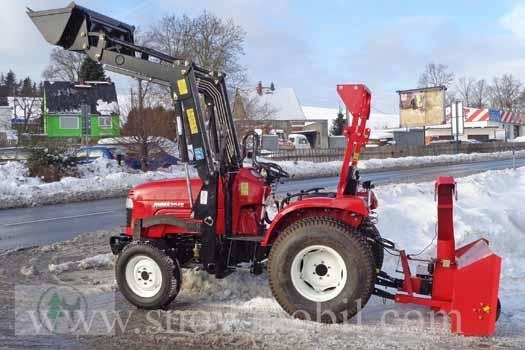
x=306 y=169
x=239 y=311
x=100 y=179
x=105 y=179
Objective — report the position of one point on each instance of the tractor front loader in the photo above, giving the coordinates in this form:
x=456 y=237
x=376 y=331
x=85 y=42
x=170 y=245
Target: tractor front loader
x=322 y=250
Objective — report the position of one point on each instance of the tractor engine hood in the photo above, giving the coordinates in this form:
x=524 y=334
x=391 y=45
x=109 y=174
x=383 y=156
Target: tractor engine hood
x=171 y=190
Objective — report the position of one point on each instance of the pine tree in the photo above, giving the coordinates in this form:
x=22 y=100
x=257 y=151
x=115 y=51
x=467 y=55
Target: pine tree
x=55 y=309
x=26 y=87
x=339 y=124
x=10 y=83
x=91 y=71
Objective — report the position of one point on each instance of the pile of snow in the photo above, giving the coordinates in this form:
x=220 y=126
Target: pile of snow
x=518 y=139
x=105 y=108
x=101 y=179
x=306 y=169
x=93 y=262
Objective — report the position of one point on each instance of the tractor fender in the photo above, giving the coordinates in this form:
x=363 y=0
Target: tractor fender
x=348 y=209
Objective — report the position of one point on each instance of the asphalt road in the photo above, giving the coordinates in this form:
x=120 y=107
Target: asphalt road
x=26 y=227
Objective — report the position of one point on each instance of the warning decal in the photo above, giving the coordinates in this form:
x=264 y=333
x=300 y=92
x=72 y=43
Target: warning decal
x=244 y=189
x=192 y=122
x=183 y=87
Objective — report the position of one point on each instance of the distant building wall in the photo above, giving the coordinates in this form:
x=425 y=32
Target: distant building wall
x=414 y=137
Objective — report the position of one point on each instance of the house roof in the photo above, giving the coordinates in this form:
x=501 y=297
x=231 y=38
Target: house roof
x=67 y=97
x=282 y=102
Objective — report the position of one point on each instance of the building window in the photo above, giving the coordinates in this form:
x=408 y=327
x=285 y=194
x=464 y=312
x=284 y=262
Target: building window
x=105 y=122
x=69 y=122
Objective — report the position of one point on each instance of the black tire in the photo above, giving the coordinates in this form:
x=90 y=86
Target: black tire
x=170 y=272
x=371 y=232
x=351 y=247
x=498 y=311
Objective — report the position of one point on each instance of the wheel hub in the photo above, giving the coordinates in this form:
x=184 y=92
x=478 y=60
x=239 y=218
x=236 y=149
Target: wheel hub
x=143 y=276
x=318 y=273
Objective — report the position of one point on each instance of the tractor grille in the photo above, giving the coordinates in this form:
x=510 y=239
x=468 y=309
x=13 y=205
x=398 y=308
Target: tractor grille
x=128 y=217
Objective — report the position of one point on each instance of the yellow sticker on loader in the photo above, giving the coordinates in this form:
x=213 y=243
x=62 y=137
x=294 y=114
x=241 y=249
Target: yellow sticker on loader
x=356 y=157
x=245 y=189
x=183 y=87
x=192 y=122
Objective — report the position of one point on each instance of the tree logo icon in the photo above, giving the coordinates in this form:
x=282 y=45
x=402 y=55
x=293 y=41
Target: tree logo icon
x=61 y=309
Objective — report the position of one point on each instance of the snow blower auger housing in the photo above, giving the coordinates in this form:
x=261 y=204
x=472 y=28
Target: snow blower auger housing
x=322 y=249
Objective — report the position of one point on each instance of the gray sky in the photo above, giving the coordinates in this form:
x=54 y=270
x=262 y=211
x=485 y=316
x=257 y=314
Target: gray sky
x=313 y=45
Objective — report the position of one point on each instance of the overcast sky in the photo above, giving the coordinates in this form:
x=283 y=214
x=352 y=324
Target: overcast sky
x=314 y=45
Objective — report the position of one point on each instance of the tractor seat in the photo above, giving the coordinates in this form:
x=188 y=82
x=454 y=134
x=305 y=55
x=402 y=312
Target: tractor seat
x=320 y=194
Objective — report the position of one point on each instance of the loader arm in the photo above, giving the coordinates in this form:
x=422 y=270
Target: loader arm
x=216 y=153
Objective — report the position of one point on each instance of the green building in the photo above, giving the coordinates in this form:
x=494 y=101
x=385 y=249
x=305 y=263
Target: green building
x=80 y=109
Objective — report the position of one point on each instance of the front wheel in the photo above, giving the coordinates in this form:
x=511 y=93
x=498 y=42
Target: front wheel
x=146 y=276
x=322 y=270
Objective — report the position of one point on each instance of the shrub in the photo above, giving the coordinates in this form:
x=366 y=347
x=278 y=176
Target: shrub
x=50 y=163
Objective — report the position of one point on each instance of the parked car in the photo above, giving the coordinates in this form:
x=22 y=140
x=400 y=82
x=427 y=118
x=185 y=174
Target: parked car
x=299 y=141
x=88 y=154
x=158 y=158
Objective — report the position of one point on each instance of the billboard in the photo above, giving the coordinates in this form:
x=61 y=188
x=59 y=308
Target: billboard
x=421 y=107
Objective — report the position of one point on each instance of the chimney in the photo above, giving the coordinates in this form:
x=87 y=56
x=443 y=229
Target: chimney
x=259 y=88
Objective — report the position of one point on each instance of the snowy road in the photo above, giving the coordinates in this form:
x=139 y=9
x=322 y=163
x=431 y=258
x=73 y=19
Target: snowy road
x=25 y=227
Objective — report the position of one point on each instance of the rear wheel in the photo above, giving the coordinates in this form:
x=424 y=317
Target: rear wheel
x=146 y=276
x=372 y=233
x=321 y=269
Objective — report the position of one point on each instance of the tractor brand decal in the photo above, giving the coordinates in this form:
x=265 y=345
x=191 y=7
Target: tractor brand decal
x=245 y=188
x=199 y=153
x=356 y=157
x=162 y=205
x=183 y=87
x=204 y=197
x=192 y=122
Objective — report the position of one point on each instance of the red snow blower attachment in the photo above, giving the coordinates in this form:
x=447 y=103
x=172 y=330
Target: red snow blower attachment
x=462 y=282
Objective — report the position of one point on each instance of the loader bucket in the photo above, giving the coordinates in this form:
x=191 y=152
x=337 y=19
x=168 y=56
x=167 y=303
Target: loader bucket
x=73 y=26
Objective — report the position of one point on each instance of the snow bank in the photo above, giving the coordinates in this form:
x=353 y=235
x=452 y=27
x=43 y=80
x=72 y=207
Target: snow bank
x=106 y=179
x=93 y=262
x=100 y=179
x=305 y=169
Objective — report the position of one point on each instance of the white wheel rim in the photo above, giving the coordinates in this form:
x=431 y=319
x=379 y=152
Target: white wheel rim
x=143 y=276
x=318 y=273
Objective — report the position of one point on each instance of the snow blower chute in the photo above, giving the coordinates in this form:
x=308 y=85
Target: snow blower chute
x=322 y=249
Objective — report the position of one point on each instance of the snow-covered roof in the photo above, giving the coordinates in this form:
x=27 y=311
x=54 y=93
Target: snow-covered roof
x=67 y=97
x=282 y=102
x=376 y=121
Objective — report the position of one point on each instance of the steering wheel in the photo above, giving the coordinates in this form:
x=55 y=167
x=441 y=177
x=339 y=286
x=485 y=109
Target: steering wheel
x=273 y=170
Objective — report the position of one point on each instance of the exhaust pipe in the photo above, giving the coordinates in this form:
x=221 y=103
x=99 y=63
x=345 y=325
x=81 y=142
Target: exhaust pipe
x=76 y=28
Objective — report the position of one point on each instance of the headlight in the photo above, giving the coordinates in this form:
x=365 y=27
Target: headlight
x=129 y=203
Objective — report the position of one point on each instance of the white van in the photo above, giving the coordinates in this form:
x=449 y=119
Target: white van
x=299 y=141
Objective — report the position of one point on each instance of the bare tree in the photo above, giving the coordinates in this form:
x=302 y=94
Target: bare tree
x=26 y=108
x=64 y=65
x=148 y=124
x=505 y=91
x=480 y=94
x=256 y=110
x=211 y=42
x=436 y=75
x=465 y=90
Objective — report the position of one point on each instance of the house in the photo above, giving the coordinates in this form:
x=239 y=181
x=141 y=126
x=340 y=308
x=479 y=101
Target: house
x=81 y=109
x=275 y=111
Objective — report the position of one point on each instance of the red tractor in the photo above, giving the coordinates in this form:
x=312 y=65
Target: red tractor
x=322 y=250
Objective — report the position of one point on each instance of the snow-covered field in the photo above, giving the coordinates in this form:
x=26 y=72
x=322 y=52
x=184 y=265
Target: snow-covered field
x=239 y=310
x=105 y=179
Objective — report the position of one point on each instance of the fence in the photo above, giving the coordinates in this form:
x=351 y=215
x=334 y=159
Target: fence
x=326 y=155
